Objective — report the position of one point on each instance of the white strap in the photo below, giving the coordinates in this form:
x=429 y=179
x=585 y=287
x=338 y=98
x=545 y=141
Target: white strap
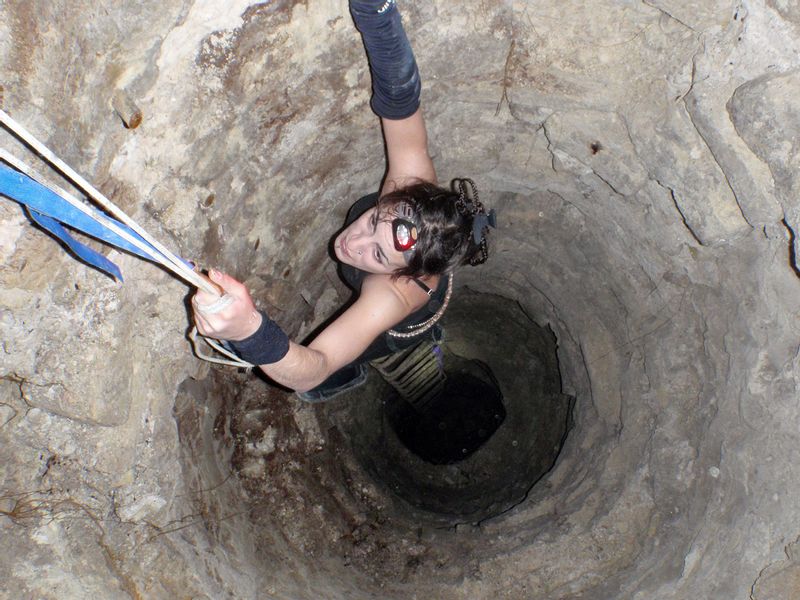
x=218 y=305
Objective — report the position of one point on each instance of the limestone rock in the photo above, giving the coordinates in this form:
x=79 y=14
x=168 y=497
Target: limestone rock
x=643 y=159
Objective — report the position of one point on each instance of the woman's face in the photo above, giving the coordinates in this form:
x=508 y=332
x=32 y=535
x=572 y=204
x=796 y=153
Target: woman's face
x=368 y=244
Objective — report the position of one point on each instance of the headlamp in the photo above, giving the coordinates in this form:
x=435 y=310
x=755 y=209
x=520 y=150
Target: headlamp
x=404 y=229
x=405 y=234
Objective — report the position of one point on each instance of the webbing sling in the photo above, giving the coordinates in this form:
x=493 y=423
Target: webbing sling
x=51 y=211
x=50 y=206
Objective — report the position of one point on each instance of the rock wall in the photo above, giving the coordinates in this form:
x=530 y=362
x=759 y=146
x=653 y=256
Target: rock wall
x=643 y=159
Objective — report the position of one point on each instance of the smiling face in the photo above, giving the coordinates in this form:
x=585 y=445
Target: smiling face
x=368 y=244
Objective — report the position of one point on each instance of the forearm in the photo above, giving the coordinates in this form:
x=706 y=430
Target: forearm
x=301 y=369
x=260 y=341
x=407 y=152
x=284 y=361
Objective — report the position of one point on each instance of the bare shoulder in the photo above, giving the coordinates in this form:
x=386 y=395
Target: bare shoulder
x=403 y=290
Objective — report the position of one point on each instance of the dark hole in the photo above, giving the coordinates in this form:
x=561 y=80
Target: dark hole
x=452 y=425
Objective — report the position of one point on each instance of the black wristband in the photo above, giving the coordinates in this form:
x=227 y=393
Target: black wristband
x=267 y=345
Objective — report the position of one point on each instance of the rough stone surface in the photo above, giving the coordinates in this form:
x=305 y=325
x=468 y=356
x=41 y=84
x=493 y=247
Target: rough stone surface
x=643 y=157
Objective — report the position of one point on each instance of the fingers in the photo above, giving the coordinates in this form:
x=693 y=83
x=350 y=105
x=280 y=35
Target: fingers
x=226 y=282
x=236 y=327
x=219 y=304
x=210 y=324
x=227 y=285
x=202 y=324
x=231 y=316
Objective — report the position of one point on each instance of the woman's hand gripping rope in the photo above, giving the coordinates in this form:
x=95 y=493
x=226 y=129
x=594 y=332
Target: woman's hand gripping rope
x=230 y=316
x=251 y=334
x=219 y=301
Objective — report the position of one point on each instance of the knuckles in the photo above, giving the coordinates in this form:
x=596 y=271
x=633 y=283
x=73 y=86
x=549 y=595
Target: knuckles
x=231 y=320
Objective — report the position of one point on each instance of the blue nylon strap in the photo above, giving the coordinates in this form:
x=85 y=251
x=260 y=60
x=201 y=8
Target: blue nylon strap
x=49 y=210
x=82 y=251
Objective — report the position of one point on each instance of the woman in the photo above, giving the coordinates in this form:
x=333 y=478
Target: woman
x=398 y=249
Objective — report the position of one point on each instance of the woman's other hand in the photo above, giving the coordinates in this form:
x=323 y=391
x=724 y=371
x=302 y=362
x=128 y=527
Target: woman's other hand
x=230 y=317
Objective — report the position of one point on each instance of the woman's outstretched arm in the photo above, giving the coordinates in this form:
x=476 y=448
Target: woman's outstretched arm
x=259 y=340
x=396 y=90
x=407 y=152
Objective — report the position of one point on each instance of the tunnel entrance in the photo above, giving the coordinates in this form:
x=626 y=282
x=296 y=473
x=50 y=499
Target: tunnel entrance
x=478 y=447
x=449 y=426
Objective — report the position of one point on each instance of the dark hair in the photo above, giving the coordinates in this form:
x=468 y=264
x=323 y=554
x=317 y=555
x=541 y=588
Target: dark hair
x=446 y=220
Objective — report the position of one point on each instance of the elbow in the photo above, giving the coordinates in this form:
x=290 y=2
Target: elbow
x=309 y=384
x=301 y=389
x=301 y=370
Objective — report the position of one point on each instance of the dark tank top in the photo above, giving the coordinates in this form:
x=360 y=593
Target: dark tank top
x=354 y=277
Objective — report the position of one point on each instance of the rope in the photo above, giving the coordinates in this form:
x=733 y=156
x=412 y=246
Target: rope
x=79 y=205
x=168 y=259
x=163 y=257
x=234 y=361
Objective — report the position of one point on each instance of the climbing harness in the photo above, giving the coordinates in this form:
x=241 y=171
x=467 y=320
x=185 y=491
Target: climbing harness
x=50 y=206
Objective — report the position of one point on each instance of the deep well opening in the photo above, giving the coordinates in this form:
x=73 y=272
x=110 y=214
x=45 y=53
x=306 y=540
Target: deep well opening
x=485 y=337
x=642 y=158
x=455 y=421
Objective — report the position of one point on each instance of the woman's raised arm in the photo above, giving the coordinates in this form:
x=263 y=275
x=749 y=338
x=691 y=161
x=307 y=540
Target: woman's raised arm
x=407 y=152
x=395 y=91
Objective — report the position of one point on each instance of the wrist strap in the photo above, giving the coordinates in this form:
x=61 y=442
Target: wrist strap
x=267 y=345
